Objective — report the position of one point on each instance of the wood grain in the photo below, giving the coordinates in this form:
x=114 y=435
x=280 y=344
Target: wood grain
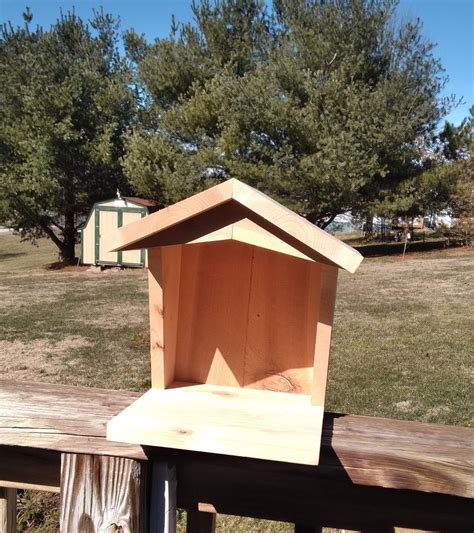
x=7 y=510
x=327 y=304
x=103 y=494
x=293 y=493
x=283 y=306
x=213 y=313
x=367 y=451
x=226 y=204
x=163 y=296
x=159 y=372
x=247 y=317
x=28 y=468
x=249 y=232
x=171 y=276
x=62 y=418
x=224 y=420
x=295 y=230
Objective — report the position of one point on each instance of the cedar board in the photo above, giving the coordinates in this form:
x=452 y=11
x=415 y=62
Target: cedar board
x=224 y=420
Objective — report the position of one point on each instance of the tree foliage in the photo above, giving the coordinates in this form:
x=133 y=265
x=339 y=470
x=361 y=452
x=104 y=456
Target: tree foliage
x=326 y=105
x=446 y=180
x=65 y=102
x=320 y=104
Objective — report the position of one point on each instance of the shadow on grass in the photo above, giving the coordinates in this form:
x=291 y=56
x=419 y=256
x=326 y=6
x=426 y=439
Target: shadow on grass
x=10 y=255
x=66 y=267
x=59 y=265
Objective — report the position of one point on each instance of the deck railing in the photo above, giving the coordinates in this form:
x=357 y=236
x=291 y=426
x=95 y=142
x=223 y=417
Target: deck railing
x=374 y=475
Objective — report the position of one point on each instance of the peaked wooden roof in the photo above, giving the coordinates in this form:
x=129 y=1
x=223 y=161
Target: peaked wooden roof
x=233 y=210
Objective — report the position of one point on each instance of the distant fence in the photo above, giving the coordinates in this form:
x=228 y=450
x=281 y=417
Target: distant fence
x=374 y=475
x=388 y=248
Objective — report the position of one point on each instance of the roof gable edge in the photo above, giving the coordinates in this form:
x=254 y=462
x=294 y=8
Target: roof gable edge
x=297 y=227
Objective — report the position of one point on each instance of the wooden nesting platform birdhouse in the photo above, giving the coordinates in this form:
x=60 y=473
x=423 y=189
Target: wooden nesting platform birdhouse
x=242 y=293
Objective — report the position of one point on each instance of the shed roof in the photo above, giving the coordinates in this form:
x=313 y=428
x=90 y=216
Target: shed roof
x=141 y=201
x=234 y=210
x=134 y=200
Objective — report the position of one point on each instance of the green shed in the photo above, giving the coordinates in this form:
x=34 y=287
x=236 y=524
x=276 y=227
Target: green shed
x=105 y=217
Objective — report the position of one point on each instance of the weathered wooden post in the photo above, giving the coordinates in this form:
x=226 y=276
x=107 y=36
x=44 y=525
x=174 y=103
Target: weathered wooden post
x=101 y=494
x=7 y=510
x=200 y=522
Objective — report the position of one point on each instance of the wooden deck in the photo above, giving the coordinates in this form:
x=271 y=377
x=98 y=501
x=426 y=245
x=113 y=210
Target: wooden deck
x=373 y=474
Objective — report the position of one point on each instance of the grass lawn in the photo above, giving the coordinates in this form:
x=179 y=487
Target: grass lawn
x=402 y=343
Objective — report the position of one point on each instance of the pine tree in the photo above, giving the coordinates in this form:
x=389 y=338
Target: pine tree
x=319 y=104
x=447 y=181
x=65 y=101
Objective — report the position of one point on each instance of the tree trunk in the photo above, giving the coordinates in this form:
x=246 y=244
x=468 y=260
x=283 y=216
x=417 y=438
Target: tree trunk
x=67 y=254
x=369 y=226
x=67 y=250
x=66 y=247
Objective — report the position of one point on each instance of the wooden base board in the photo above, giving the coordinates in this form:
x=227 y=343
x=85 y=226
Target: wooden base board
x=234 y=421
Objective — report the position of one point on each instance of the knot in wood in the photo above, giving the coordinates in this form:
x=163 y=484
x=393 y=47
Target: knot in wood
x=114 y=528
x=279 y=383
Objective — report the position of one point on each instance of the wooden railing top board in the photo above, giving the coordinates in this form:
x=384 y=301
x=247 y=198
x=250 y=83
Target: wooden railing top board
x=368 y=451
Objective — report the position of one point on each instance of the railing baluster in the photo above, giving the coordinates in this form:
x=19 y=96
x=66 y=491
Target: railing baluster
x=7 y=510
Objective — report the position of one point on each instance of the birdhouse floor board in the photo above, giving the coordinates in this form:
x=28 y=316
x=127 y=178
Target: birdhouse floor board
x=225 y=420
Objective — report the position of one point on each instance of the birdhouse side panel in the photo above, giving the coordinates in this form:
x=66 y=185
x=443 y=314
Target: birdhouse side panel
x=164 y=268
x=324 y=333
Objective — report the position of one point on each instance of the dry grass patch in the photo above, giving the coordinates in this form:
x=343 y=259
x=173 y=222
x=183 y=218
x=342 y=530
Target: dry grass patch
x=108 y=318
x=40 y=359
x=16 y=255
x=15 y=295
x=403 y=338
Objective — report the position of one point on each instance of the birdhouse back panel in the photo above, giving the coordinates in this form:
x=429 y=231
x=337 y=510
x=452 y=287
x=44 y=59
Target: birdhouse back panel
x=237 y=315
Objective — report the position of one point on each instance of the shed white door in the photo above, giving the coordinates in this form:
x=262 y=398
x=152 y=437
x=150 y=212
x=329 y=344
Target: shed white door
x=131 y=257
x=108 y=222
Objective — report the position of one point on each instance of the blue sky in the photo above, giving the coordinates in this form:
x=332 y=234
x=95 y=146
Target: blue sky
x=449 y=23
